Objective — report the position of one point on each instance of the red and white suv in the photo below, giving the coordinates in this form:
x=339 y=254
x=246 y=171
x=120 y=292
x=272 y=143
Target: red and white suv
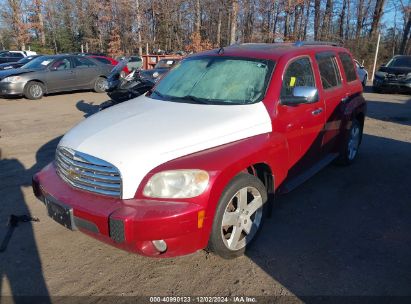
x=196 y=162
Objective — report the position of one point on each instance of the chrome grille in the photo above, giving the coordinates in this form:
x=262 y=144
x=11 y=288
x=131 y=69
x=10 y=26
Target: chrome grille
x=87 y=172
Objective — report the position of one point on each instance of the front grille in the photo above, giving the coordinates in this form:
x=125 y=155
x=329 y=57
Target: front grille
x=87 y=172
x=396 y=76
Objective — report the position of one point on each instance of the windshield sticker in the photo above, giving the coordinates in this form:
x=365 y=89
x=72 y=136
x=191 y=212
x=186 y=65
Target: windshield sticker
x=45 y=62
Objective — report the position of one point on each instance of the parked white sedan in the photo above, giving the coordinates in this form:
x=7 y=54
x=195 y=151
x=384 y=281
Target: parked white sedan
x=362 y=72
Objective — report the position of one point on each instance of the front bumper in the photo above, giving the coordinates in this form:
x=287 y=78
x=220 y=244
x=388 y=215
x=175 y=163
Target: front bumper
x=385 y=83
x=8 y=88
x=131 y=224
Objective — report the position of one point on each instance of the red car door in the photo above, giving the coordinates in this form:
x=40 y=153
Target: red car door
x=335 y=93
x=301 y=123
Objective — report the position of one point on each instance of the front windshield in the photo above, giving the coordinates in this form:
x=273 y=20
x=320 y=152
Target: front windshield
x=38 y=63
x=216 y=80
x=400 y=62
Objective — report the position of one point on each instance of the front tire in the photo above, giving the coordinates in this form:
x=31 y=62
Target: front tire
x=34 y=90
x=100 y=85
x=239 y=216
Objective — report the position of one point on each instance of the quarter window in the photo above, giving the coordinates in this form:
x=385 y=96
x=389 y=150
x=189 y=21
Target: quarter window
x=103 y=60
x=82 y=62
x=298 y=73
x=348 y=67
x=329 y=72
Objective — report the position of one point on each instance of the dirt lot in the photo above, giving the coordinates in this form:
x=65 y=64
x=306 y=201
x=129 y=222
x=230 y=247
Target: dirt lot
x=347 y=231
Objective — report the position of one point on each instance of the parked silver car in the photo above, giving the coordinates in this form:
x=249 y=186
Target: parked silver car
x=362 y=73
x=57 y=73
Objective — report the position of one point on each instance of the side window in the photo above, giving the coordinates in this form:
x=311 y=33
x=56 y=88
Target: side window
x=298 y=73
x=103 y=60
x=348 y=67
x=61 y=64
x=329 y=72
x=16 y=55
x=82 y=62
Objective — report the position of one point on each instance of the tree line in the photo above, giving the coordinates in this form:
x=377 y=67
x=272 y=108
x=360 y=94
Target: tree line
x=119 y=27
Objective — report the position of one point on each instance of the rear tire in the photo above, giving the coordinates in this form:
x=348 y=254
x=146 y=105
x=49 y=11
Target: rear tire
x=100 y=85
x=34 y=90
x=239 y=216
x=351 y=145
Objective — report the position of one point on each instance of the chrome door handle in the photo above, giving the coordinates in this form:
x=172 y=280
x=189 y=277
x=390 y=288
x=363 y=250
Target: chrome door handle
x=317 y=111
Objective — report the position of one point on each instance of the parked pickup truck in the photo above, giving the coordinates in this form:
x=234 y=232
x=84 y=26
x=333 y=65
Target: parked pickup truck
x=196 y=162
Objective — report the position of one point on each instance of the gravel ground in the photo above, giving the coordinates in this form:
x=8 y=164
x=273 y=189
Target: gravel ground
x=347 y=231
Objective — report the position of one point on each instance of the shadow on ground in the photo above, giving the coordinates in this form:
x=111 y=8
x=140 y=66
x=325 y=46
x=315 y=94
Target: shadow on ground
x=88 y=108
x=20 y=263
x=347 y=230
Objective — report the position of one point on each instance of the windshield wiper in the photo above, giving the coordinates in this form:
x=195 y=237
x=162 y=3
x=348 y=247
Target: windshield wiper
x=190 y=98
x=193 y=99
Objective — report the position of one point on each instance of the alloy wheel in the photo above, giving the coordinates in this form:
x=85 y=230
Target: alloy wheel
x=353 y=142
x=241 y=218
x=36 y=90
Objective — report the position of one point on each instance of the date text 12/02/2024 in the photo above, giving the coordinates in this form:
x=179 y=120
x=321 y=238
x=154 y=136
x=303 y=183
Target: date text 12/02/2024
x=203 y=299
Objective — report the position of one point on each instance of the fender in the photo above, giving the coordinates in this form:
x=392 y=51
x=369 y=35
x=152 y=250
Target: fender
x=223 y=163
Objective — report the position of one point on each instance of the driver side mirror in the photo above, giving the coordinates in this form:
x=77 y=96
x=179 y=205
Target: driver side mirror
x=301 y=95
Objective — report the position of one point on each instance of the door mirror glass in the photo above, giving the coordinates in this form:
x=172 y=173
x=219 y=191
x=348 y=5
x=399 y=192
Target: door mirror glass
x=301 y=95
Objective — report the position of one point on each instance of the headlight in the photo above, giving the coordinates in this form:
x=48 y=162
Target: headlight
x=12 y=79
x=408 y=76
x=380 y=74
x=177 y=184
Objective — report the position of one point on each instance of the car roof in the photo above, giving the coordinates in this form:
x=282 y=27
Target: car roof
x=272 y=50
x=402 y=56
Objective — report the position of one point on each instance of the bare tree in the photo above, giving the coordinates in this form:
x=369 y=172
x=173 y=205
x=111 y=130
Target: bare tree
x=406 y=34
x=317 y=14
x=378 y=10
x=233 y=25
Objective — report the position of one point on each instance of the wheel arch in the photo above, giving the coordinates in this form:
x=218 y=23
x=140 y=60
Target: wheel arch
x=37 y=80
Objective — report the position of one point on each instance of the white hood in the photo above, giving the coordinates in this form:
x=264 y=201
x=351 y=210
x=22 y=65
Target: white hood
x=140 y=134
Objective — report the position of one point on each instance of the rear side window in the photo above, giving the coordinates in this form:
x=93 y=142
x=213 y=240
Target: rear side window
x=102 y=60
x=82 y=62
x=298 y=74
x=329 y=72
x=348 y=67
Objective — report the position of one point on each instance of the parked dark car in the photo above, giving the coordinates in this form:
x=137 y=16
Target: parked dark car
x=162 y=67
x=58 y=73
x=394 y=76
x=14 y=56
x=18 y=64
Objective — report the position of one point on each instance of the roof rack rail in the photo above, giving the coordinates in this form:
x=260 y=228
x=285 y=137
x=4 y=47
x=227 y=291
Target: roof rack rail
x=305 y=43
